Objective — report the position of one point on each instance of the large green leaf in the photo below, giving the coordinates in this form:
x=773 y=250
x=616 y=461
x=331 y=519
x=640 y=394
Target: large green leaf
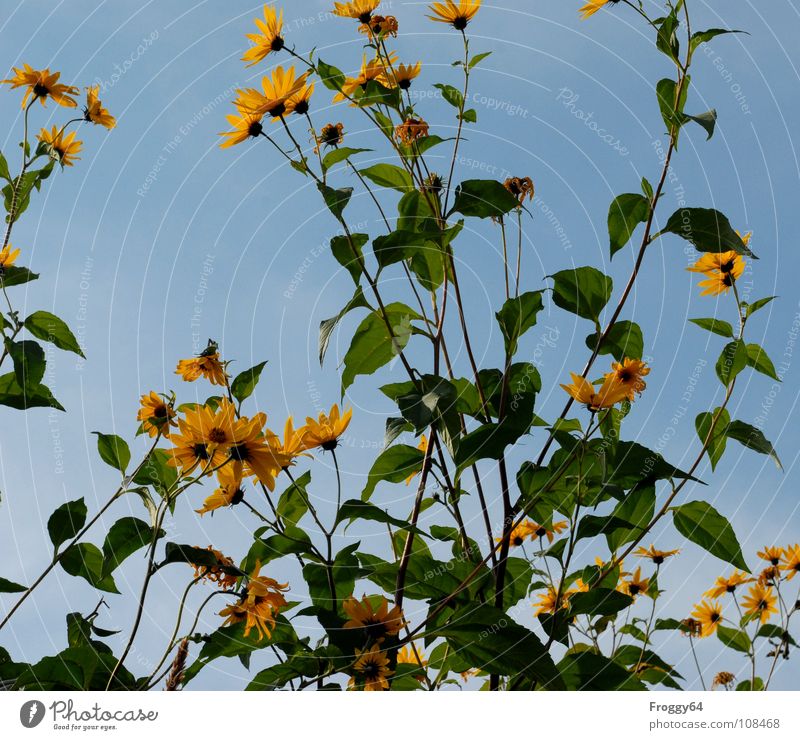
x=483 y=199
x=753 y=439
x=707 y=229
x=12 y=394
x=702 y=524
x=627 y=211
x=716 y=326
x=66 y=521
x=718 y=438
x=29 y=362
x=583 y=291
x=245 y=382
x=394 y=465
x=758 y=359
x=355 y=509
x=113 y=451
x=588 y=671
x=732 y=360
x=348 y=252
x=336 y=200
x=86 y=561
x=389 y=176
x=624 y=339
x=327 y=326
x=50 y=328
x=517 y=316
x=126 y=536
x=9 y=587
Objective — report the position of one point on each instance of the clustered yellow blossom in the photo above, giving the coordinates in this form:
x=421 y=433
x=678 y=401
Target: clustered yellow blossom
x=623 y=383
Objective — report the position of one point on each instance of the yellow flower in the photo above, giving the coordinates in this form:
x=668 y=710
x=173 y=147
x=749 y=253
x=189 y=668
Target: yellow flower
x=636 y=584
x=8 y=257
x=229 y=492
x=458 y=15
x=547 y=602
x=404 y=74
x=299 y=102
x=215 y=573
x=539 y=530
x=268 y=40
x=579 y=587
x=723 y=678
x=721 y=269
x=412 y=655
x=373 y=667
x=791 y=561
x=277 y=89
x=156 y=415
x=769 y=576
x=380 y=26
x=760 y=602
x=42 y=84
x=204 y=437
x=361 y=10
x=62 y=148
x=411 y=130
x=520 y=188
x=94 y=111
x=584 y=392
x=377 y=623
x=256 y=454
x=244 y=126
x=772 y=555
x=259 y=606
x=332 y=134
x=207 y=364
x=517 y=537
x=657 y=556
x=728 y=585
x=371 y=71
x=709 y=615
x=593 y=6
x=293 y=444
x=422 y=447
x=325 y=431
x=628 y=375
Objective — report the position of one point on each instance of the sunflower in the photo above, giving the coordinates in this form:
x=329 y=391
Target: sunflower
x=207 y=364
x=203 y=439
x=772 y=555
x=377 y=623
x=244 y=126
x=539 y=530
x=728 y=585
x=657 y=556
x=769 y=576
x=520 y=188
x=593 y=6
x=42 y=84
x=156 y=415
x=268 y=39
x=373 y=70
x=293 y=444
x=325 y=431
x=522 y=531
x=458 y=15
x=760 y=603
x=583 y=391
x=62 y=148
x=332 y=134
x=361 y=10
x=299 y=102
x=708 y=615
x=229 y=492
x=8 y=257
x=636 y=584
x=723 y=678
x=411 y=654
x=258 y=606
x=578 y=587
x=215 y=573
x=721 y=271
x=277 y=89
x=547 y=602
x=628 y=375
x=790 y=562
x=380 y=26
x=373 y=667
x=94 y=112
x=422 y=447
x=411 y=130
x=405 y=73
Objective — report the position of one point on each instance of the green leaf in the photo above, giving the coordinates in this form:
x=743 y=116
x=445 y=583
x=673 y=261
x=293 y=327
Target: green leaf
x=623 y=340
x=331 y=77
x=348 y=253
x=731 y=362
x=397 y=246
x=667 y=37
x=637 y=509
x=719 y=437
x=9 y=587
x=470 y=115
x=757 y=359
x=355 y=509
x=29 y=362
x=757 y=685
x=113 y=451
x=451 y=95
x=707 y=229
x=707 y=120
x=773 y=631
x=517 y=316
x=701 y=37
x=157 y=472
x=66 y=521
x=14 y=275
x=373 y=346
x=625 y=214
x=702 y=524
x=199 y=556
x=733 y=638
x=336 y=200
x=327 y=326
x=245 y=382
x=389 y=176
x=4 y=173
x=293 y=503
x=86 y=561
x=488 y=639
x=12 y=394
x=483 y=199
x=50 y=328
x=753 y=439
x=716 y=326
x=672 y=109
x=339 y=154
x=599 y=602
x=588 y=671
x=394 y=465
x=583 y=291
x=757 y=305
x=478 y=58
x=126 y=536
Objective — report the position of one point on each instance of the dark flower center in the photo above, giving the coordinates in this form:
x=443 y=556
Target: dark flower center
x=404 y=84
x=727 y=279
x=460 y=23
x=371 y=670
x=301 y=108
x=730 y=588
x=278 y=110
x=240 y=452
x=625 y=376
x=277 y=44
x=160 y=412
x=365 y=17
x=634 y=588
x=375 y=630
x=517 y=541
x=330 y=444
x=255 y=128
x=237 y=497
x=762 y=605
x=40 y=90
x=775 y=561
x=217 y=435
x=715 y=617
x=658 y=559
x=541 y=532
x=727 y=266
x=200 y=451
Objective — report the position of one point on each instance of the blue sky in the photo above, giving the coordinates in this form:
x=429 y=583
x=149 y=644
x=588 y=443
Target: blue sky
x=158 y=240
